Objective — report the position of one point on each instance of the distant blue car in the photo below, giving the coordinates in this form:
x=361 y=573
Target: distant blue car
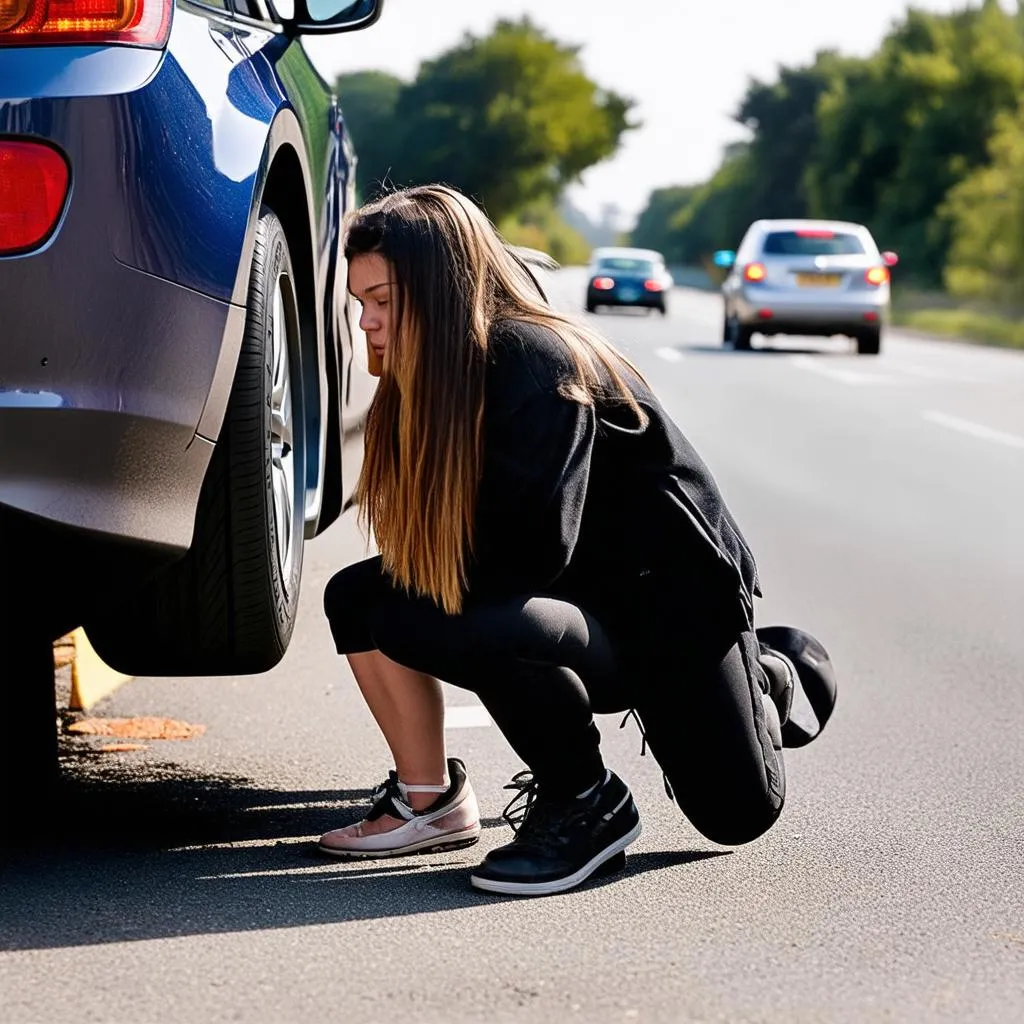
x=179 y=370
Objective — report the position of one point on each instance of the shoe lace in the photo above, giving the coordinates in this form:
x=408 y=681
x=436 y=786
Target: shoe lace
x=388 y=791
x=631 y=713
x=519 y=806
x=545 y=824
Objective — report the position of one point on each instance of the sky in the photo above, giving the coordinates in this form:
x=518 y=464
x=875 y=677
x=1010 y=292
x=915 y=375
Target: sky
x=686 y=63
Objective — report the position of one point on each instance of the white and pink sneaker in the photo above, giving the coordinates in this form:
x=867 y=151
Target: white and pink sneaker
x=452 y=821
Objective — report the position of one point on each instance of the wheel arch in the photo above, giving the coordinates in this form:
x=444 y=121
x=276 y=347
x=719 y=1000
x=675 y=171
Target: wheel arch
x=284 y=185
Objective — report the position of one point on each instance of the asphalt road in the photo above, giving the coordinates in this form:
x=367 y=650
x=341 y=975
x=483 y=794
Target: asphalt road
x=883 y=498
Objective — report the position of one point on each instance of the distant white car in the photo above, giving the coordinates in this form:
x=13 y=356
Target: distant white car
x=627 y=277
x=808 y=277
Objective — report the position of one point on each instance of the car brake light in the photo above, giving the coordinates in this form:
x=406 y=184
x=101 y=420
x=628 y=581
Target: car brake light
x=604 y=284
x=653 y=286
x=877 y=275
x=815 y=233
x=33 y=187
x=755 y=272
x=52 y=22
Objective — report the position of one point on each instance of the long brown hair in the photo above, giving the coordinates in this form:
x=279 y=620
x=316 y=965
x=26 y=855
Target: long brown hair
x=455 y=276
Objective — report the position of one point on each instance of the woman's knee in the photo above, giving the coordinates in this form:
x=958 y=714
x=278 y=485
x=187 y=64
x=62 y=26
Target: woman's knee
x=736 y=821
x=356 y=584
x=350 y=598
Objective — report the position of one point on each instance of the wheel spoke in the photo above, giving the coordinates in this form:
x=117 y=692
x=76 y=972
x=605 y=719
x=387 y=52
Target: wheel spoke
x=282 y=432
x=281 y=429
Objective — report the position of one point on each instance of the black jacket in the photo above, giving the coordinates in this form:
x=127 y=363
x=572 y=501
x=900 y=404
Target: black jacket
x=581 y=501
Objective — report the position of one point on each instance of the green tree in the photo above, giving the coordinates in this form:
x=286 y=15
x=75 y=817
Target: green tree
x=986 y=214
x=653 y=229
x=368 y=100
x=539 y=225
x=782 y=118
x=900 y=131
x=763 y=177
x=510 y=118
x=721 y=210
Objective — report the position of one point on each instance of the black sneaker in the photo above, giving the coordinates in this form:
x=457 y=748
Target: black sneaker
x=560 y=843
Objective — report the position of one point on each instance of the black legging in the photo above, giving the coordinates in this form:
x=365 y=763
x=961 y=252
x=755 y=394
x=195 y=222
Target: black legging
x=542 y=666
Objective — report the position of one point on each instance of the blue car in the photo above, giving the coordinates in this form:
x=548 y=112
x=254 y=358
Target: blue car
x=182 y=381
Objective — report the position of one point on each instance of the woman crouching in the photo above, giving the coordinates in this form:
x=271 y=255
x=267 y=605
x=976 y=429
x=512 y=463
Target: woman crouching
x=550 y=541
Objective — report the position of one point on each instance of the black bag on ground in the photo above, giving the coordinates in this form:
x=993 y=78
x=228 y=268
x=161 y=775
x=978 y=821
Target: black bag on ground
x=814 y=697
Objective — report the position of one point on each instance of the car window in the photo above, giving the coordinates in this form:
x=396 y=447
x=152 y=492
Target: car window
x=812 y=242
x=626 y=264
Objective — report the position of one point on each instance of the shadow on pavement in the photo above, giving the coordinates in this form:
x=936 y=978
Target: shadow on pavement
x=147 y=851
x=764 y=350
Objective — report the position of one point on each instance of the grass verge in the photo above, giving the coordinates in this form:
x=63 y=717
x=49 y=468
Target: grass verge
x=942 y=316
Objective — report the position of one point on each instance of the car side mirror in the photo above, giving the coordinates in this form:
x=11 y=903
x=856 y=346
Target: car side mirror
x=311 y=17
x=890 y=259
x=724 y=258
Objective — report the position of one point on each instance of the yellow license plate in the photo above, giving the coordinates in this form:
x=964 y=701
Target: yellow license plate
x=818 y=280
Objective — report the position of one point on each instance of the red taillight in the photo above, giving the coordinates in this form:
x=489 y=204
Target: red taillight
x=33 y=187
x=877 y=275
x=815 y=233
x=755 y=272
x=653 y=286
x=604 y=284
x=52 y=22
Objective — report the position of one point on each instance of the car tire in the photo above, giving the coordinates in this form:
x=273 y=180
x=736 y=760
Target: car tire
x=869 y=343
x=29 y=765
x=591 y=308
x=228 y=607
x=740 y=336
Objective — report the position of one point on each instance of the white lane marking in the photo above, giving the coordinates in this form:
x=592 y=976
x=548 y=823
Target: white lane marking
x=974 y=429
x=466 y=716
x=936 y=373
x=670 y=355
x=854 y=377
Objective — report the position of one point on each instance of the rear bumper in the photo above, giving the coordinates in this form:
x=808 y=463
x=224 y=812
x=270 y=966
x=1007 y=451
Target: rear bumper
x=646 y=300
x=850 y=312
x=104 y=377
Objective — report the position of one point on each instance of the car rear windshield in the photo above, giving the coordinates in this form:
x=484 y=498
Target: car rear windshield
x=812 y=243
x=626 y=265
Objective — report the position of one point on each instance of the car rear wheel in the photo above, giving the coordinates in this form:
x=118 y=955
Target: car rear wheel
x=869 y=343
x=229 y=606
x=29 y=769
x=737 y=335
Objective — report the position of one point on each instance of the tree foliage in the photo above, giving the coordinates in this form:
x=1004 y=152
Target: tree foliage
x=370 y=99
x=653 y=229
x=922 y=141
x=510 y=118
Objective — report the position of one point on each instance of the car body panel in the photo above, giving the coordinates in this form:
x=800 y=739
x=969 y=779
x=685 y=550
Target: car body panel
x=54 y=72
